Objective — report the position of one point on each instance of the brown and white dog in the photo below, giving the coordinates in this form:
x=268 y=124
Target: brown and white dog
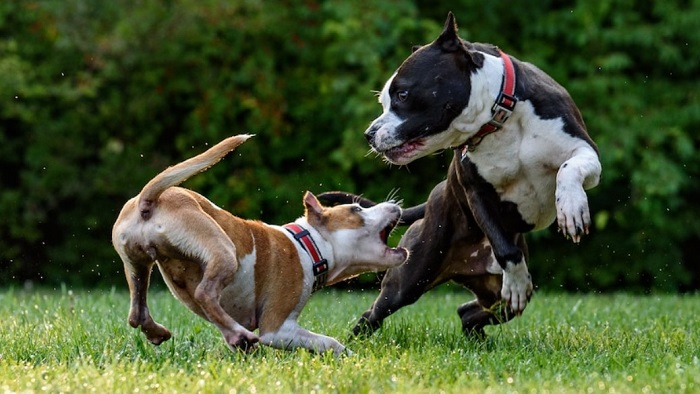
x=243 y=275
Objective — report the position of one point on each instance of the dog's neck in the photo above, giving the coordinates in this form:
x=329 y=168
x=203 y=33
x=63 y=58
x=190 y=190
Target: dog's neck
x=503 y=107
x=311 y=242
x=485 y=87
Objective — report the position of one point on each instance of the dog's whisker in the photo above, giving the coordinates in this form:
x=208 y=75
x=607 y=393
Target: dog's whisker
x=356 y=199
x=392 y=196
x=370 y=151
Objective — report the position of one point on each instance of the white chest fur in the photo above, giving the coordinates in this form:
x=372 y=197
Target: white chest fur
x=521 y=161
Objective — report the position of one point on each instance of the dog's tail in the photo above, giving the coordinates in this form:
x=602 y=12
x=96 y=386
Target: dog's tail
x=175 y=175
x=408 y=215
x=412 y=214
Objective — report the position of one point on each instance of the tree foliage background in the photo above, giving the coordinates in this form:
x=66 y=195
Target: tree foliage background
x=97 y=97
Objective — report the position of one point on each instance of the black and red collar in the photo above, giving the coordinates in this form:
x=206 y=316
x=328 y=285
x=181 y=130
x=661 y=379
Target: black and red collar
x=502 y=108
x=320 y=265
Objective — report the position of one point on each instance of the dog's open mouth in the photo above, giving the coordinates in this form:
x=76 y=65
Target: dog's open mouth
x=404 y=149
x=398 y=252
x=386 y=231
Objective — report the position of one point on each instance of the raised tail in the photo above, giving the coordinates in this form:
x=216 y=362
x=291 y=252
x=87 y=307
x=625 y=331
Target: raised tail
x=175 y=175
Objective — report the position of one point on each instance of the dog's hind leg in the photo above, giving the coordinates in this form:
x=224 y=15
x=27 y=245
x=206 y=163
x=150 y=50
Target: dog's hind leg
x=218 y=273
x=207 y=295
x=207 y=243
x=138 y=257
x=138 y=277
x=484 y=311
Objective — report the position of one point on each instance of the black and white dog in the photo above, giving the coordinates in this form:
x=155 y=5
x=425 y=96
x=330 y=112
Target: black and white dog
x=522 y=158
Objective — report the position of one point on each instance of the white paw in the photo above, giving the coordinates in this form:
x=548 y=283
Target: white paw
x=517 y=286
x=573 y=217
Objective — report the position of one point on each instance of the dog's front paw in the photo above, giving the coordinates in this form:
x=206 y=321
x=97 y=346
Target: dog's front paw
x=155 y=333
x=241 y=340
x=517 y=286
x=158 y=336
x=573 y=216
x=341 y=351
x=347 y=353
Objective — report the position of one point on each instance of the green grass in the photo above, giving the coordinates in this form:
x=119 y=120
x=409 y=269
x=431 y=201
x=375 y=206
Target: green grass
x=63 y=341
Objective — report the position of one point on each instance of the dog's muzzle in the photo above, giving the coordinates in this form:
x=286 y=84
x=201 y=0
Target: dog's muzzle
x=370 y=134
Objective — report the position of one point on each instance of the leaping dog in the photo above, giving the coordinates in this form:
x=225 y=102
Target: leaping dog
x=522 y=159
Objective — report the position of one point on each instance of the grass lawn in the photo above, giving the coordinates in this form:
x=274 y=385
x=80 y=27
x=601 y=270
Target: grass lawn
x=79 y=341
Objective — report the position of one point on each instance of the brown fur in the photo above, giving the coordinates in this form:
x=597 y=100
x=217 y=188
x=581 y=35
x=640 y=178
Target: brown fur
x=336 y=219
x=241 y=275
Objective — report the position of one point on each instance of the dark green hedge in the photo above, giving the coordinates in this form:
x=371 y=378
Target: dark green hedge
x=100 y=96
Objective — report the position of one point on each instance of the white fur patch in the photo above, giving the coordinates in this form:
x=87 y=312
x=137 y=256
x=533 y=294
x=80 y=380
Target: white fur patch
x=291 y=335
x=384 y=98
x=492 y=267
x=238 y=298
x=485 y=85
x=387 y=122
x=580 y=172
x=522 y=165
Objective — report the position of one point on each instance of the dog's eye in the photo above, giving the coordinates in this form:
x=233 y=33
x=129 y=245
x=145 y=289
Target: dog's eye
x=355 y=208
x=402 y=95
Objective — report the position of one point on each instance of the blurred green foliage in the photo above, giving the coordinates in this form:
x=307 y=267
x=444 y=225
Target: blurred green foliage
x=97 y=97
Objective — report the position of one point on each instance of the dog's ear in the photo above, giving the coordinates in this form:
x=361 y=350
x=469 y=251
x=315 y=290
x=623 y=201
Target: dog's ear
x=416 y=47
x=449 y=41
x=313 y=209
x=476 y=57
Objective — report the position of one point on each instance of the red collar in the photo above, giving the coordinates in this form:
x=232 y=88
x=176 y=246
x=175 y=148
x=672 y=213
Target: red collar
x=320 y=265
x=502 y=108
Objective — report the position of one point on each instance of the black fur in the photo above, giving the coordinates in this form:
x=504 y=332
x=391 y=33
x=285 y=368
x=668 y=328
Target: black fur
x=471 y=228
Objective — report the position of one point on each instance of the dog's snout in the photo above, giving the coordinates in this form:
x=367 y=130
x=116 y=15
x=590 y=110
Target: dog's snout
x=391 y=209
x=370 y=132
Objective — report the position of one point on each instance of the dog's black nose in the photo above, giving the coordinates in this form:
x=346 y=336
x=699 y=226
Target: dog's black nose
x=369 y=134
